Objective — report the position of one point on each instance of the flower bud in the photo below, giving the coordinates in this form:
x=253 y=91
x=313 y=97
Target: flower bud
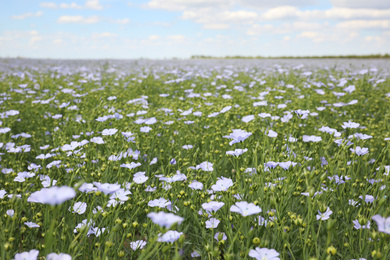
x=331 y=250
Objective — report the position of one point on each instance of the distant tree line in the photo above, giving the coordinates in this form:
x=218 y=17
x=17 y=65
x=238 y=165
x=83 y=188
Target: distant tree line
x=369 y=56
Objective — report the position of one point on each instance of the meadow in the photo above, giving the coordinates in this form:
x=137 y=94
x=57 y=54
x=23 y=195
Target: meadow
x=205 y=160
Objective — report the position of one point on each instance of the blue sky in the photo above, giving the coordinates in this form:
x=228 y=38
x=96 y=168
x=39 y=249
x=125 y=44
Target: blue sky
x=96 y=29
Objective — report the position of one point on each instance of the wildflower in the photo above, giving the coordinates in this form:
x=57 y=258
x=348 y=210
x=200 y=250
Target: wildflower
x=272 y=134
x=339 y=180
x=195 y=254
x=53 y=163
x=170 y=236
x=225 y=109
x=251 y=171
x=325 y=215
x=97 y=140
x=164 y=219
x=150 y=121
x=359 y=150
x=131 y=165
x=262 y=221
x=247 y=119
x=97 y=209
x=212 y=206
x=196 y=185
x=53 y=195
x=154 y=161
x=353 y=203
x=311 y=138
x=87 y=187
x=329 y=130
x=219 y=236
x=214 y=114
x=31 y=255
x=177 y=177
x=360 y=136
x=10 y=212
x=264 y=115
x=350 y=124
x=260 y=103
x=120 y=196
x=287 y=165
x=111 y=131
x=223 y=184
x=303 y=114
x=84 y=223
x=150 y=189
x=238 y=135
x=31 y=224
x=357 y=225
x=2 y=194
x=4 y=130
x=145 y=129
x=161 y=203
x=245 y=208
x=368 y=198
x=61 y=256
x=237 y=152
x=205 y=166
x=139 y=244
x=44 y=147
x=212 y=223
x=264 y=254
x=79 y=208
x=107 y=188
x=382 y=223
x=140 y=177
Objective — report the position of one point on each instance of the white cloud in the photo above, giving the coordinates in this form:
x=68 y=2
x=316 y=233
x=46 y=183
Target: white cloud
x=122 y=21
x=291 y=12
x=181 y=5
x=216 y=26
x=26 y=15
x=261 y=4
x=333 y=35
x=154 y=37
x=285 y=28
x=57 y=41
x=364 y=24
x=372 y=4
x=105 y=35
x=93 y=4
x=220 y=20
x=70 y=6
x=349 y=13
x=258 y=29
x=90 y=4
x=78 y=19
x=35 y=39
x=374 y=39
x=281 y=12
x=90 y=20
x=48 y=5
x=176 y=37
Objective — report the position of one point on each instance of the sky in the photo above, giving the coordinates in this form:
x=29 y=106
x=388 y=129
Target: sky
x=165 y=29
